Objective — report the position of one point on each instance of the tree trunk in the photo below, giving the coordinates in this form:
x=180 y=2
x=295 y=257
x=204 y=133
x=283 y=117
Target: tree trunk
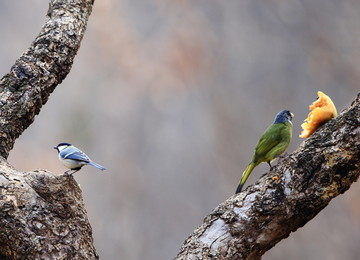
x=42 y=216
x=248 y=224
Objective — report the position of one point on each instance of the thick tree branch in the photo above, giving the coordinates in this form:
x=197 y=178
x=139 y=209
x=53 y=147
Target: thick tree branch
x=41 y=68
x=296 y=190
x=42 y=216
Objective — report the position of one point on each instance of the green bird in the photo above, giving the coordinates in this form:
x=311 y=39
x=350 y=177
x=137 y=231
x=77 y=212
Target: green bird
x=272 y=143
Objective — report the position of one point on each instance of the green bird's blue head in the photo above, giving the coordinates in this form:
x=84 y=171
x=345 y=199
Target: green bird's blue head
x=283 y=116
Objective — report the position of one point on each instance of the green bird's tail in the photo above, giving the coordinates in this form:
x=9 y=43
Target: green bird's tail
x=245 y=175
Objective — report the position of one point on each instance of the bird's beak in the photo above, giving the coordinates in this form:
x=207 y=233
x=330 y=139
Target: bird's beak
x=292 y=115
x=55 y=147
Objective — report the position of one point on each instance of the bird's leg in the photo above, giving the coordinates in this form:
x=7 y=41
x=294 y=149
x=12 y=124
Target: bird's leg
x=283 y=155
x=71 y=172
x=68 y=172
x=271 y=167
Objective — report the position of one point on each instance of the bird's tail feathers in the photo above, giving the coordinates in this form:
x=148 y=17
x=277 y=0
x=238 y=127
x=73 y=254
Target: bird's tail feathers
x=245 y=175
x=97 y=166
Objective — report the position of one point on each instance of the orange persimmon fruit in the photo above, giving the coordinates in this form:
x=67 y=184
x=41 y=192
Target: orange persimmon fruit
x=322 y=110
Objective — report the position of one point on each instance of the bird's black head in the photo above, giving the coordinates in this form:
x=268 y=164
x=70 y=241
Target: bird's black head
x=283 y=116
x=61 y=146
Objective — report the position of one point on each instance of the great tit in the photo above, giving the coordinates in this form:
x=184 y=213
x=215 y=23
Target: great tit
x=73 y=158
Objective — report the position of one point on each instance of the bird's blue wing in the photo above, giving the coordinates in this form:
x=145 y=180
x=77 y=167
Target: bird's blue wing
x=74 y=154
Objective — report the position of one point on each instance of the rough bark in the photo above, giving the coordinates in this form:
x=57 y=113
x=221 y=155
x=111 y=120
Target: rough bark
x=42 y=216
x=41 y=68
x=247 y=225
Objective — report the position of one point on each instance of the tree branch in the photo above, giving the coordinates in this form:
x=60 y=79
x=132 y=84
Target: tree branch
x=42 y=216
x=41 y=68
x=296 y=190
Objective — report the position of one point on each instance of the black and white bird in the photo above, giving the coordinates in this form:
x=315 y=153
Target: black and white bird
x=73 y=158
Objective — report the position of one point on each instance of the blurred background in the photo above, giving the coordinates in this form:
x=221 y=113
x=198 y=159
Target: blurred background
x=172 y=96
